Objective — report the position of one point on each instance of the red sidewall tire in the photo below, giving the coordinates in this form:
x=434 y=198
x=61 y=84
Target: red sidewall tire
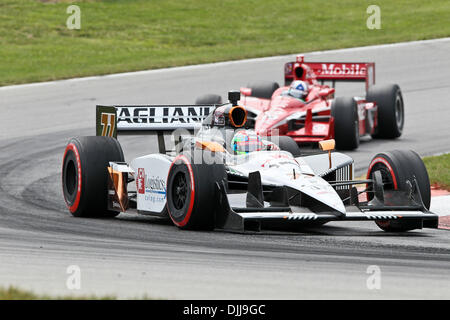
x=196 y=183
x=183 y=219
x=397 y=167
x=85 y=175
x=71 y=161
x=382 y=160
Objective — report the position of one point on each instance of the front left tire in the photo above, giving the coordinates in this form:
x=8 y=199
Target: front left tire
x=191 y=192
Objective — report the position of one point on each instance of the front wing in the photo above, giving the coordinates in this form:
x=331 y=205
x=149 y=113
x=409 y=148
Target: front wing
x=240 y=219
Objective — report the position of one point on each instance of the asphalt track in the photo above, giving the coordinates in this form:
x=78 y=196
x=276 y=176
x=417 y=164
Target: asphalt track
x=132 y=256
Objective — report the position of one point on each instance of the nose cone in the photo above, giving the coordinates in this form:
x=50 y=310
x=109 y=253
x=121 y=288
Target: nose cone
x=280 y=108
x=319 y=189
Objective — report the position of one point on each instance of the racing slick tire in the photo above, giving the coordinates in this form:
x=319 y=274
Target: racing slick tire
x=346 y=126
x=391 y=111
x=191 y=193
x=396 y=167
x=286 y=143
x=209 y=99
x=263 y=89
x=85 y=175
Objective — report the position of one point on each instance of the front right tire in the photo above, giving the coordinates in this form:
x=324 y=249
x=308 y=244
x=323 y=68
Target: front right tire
x=396 y=167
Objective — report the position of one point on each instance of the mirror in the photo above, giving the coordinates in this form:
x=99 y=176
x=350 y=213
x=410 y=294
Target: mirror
x=327 y=145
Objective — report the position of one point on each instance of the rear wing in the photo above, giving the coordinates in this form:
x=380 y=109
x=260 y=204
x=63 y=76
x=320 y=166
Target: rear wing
x=139 y=119
x=147 y=119
x=330 y=71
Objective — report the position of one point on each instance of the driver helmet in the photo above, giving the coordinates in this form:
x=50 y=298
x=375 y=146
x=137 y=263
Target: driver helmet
x=298 y=89
x=246 y=141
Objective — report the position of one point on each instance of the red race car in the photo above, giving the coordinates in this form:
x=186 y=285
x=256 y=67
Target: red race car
x=306 y=110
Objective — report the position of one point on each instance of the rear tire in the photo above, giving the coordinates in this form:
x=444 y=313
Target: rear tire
x=263 y=89
x=209 y=99
x=396 y=167
x=191 y=193
x=85 y=175
x=391 y=111
x=346 y=125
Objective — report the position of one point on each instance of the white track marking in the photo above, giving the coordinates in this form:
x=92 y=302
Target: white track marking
x=440 y=205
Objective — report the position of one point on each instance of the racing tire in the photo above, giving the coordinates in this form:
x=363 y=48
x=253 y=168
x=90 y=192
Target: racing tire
x=396 y=167
x=391 y=111
x=85 y=175
x=209 y=99
x=346 y=125
x=191 y=193
x=286 y=143
x=263 y=89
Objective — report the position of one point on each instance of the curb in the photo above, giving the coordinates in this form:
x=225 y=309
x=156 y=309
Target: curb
x=440 y=204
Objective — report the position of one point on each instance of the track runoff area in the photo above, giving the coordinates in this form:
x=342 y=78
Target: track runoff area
x=237 y=266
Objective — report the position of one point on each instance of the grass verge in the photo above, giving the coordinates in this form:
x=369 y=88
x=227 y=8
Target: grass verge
x=438 y=168
x=128 y=35
x=14 y=293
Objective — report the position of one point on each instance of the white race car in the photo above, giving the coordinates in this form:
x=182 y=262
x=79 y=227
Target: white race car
x=207 y=183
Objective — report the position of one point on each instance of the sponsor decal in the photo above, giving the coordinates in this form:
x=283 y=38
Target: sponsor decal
x=153 y=187
x=105 y=121
x=161 y=114
x=333 y=70
x=343 y=69
x=140 y=181
x=155 y=184
x=108 y=122
x=278 y=160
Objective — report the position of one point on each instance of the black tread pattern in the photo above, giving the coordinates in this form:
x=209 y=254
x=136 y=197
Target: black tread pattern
x=385 y=96
x=205 y=201
x=95 y=154
x=405 y=164
x=346 y=128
